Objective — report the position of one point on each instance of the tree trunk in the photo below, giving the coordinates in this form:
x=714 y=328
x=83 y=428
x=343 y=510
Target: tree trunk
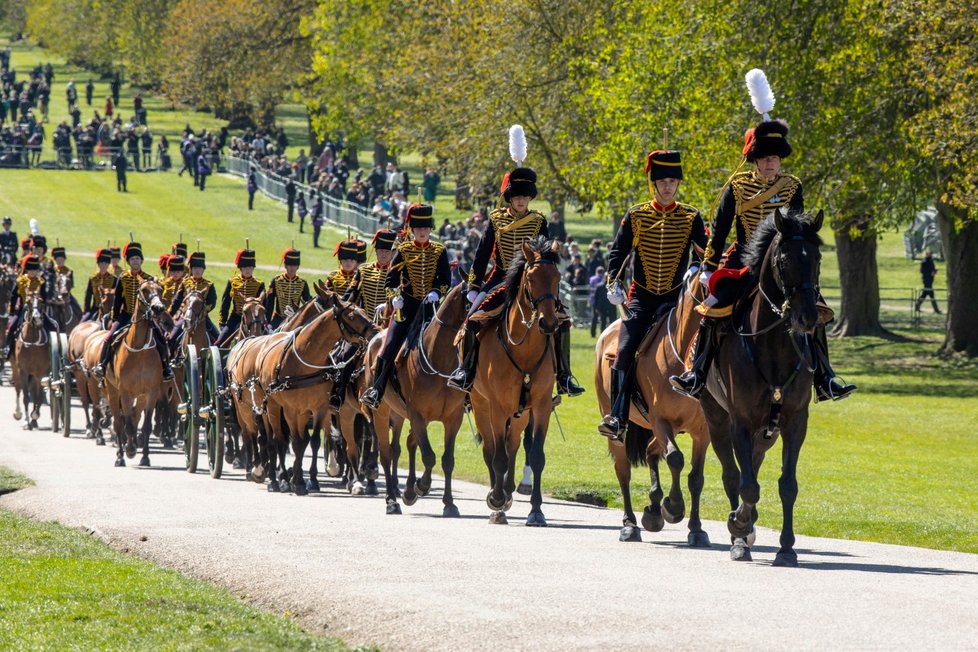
x=960 y=238
x=352 y=156
x=859 y=281
x=381 y=155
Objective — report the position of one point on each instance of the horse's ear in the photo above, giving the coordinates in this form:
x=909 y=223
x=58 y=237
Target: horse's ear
x=527 y=252
x=321 y=291
x=818 y=221
x=779 y=220
x=261 y=297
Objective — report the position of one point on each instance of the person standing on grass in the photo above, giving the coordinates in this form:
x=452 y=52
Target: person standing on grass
x=203 y=168
x=302 y=210
x=146 y=140
x=317 y=220
x=116 y=85
x=121 y=165
x=928 y=270
x=290 y=196
x=252 y=187
x=108 y=107
x=89 y=92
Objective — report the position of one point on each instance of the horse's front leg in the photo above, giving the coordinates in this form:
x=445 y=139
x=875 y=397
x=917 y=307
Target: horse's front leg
x=147 y=428
x=410 y=490
x=538 y=460
x=297 y=435
x=740 y=522
x=448 y=465
x=673 y=505
x=428 y=458
x=792 y=439
x=697 y=537
x=525 y=486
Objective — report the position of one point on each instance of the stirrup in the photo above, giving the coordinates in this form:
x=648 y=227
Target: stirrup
x=832 y=389
x=460 y=380
x=371 y=398
x=613 y=429
x=98 y=371
x=689 y=384
x=567 y=384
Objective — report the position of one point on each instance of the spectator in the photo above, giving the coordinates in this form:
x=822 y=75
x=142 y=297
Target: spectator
x=558 y=231
x=430 y=183
x=108 y=107
x=121 y=165
x=146 y=140
x=302 y=209
x=203 y=168
x=571 y=271
x=290 y=197
x=163 y=151
x=252 y=187
x=89 y=92
x=601 y=308
x=317 y=220
x=928 y=270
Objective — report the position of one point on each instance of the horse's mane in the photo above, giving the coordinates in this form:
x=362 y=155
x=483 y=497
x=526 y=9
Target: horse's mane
x=795 y=222
x=540 y=246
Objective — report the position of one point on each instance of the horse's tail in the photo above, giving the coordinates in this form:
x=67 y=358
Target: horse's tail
x=637 y=441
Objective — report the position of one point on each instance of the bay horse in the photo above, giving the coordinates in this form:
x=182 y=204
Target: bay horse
x=31 y=360
x=654 y=423
x=8 y=285
x=294 y=375
x=86 y=384
x=192 y=314
x=759 y=387
x=421 y=376
x=515 y=378
x=63 y=308
x=134 y=381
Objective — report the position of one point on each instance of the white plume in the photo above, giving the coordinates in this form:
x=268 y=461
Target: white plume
x=761 y=95
x=35 y=229
x=517 y=144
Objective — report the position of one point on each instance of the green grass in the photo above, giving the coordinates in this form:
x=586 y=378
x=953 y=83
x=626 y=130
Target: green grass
x=12 y=481
x=63 y=589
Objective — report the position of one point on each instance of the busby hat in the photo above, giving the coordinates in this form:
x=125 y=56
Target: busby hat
x=30 y=263
x=180 y=249
x=346 y=250
x=521 y=182
x=39 y=241
x=769 y=137
x=176 y=263
x=419 y=216
x=164 y=261
x=663 y=164
x=103 y=256
x=361 y=251
x=132 y=249
x=291 y=257
x=384 y=239
x=198 y=259
x=7 y=220
x=115 y=252
x=25 y=244
x=245 y=258
x=58 y=252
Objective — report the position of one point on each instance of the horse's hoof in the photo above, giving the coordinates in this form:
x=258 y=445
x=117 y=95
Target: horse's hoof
x=393 y=508
x=786 y=558
x=100 y=441
x=536 y=519
x=18 y=415
x=652 y=519
x=739 y=530
x=673 y=513
x=274 y=488
x=420 y=489
x=524 y=489
x=312 y=485
x=740 y=551
x=356 y=489
x=236 y=463
x=130 y=454
x=120 y=462
x=498 y=518
x=494 y=505
x=409 y=497
x=144 y=460
x=451 y=511
x=33 y=424
x=698 y=540
x=509 y=503
x=249 y=476
x=370 y=489
x=299 y=488
x=229 y=457
x=629 y=533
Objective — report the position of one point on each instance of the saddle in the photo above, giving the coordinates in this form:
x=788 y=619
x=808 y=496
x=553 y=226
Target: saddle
x=120 y=335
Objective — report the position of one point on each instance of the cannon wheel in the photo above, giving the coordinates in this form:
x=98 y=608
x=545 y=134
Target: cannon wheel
x=191 y=397
x=54 y=375
x=214 y=395
x=66 y=378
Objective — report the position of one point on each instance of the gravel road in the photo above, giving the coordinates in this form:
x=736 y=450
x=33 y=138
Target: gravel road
x=420 y=582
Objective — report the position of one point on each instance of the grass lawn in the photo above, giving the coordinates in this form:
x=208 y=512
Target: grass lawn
x=63 y=589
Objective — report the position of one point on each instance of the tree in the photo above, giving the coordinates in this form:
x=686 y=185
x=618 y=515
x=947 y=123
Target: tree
x=82 y=31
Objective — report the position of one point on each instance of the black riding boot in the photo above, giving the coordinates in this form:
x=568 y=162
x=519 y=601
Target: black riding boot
x=103 y=358
x=161 y=349
x=692 y=382
x=339 y=387
x=826 y=385
x=566 y=383
x=463 y=377
x=613 y=426
x=373 y=396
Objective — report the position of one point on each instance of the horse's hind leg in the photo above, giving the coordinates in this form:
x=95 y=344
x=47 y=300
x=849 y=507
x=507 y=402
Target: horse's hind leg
x=697 y=537
x=788 y=489
x=297 y=483
x=410 y=492
x=740 y=522
x=147 y=428
x=652 y=516
x=428 y=458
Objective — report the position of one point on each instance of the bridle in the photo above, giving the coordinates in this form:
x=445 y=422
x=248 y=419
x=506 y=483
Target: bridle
x=339 y=310
x=533 y=301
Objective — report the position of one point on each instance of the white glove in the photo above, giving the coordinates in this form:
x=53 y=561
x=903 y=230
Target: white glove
x=432 y=297
x=705 y=278
x=397 y=303
x=616 y=294
x=379 y=311
x=690 y=273
x=472 y=295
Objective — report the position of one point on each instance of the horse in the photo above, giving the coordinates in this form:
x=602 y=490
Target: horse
x=297 y=386
x=193 y=330
x=421 y=375
x=759 y=386
x=31 y=360
x=515 y=378
x=8 y=285
x=63 y=308
x=87 y=384
x=655 y=421
x=134 y=381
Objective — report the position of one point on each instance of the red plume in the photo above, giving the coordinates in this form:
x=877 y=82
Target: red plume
x=505 y=183
x=648 y=160
x=748 y=141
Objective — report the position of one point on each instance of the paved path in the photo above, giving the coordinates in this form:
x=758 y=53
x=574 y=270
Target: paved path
x=419 y=582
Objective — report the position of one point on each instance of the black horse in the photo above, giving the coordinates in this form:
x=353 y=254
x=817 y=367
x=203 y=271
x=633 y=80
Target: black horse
x=760 y=385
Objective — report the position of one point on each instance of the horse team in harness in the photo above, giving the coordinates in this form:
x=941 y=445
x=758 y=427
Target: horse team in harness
x=390 y=342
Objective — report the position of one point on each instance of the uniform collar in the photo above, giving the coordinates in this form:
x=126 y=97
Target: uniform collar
x=290 y=278
x=379 y=266
x=663 y=209
x=346 y=273
x=760 y=178
x=421 y=245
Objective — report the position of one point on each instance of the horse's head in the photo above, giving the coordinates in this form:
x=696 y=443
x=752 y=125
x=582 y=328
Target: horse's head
x=253 y=318
x=106 y=299
x=36 y=306
x=354 y=323
x=149 y=296
x=539 y=284
x=793 y=262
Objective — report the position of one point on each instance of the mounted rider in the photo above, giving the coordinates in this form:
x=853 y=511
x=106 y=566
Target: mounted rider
x=115 y=254
x=746 y=199
x=243 y=285
x=59 y=255
x=508 y=228
x=661 y=233
x=125 y=307
x=196 y=282
x=28 y=282
x=176 y=269
x=100 y=281
x=287 y=292
x=419 y=276
x=8 y=243
x=350 y=253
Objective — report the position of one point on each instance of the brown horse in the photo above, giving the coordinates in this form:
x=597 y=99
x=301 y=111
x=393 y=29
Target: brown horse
x=63 y=308
x=294 y=375
x=421 y=375
x=134 y=381
x=655 y=421
x=86 y=384
x=515 y=378
x=8 y=285
x=31 y=359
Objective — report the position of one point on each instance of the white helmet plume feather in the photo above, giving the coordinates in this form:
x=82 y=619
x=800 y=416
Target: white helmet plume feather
x=761 y=95
x=517 y=144
x=35 y=229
